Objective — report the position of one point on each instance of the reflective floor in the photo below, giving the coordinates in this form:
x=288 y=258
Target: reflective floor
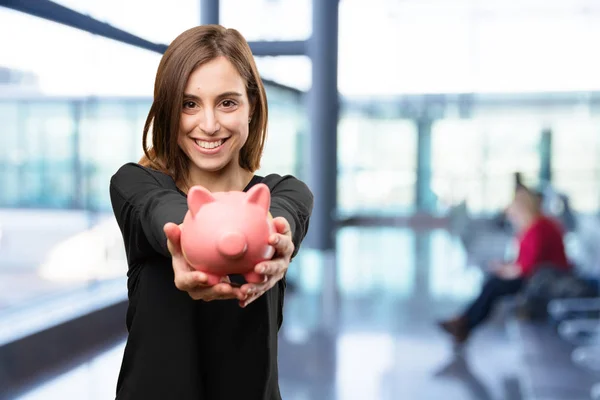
x=41 y=253
x=374 y=339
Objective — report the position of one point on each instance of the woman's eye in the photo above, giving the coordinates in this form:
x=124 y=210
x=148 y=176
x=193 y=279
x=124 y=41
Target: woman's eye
x=189 y=104
x=228 y=103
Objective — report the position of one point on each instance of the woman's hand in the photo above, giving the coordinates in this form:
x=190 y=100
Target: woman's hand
x=508 y=271
x=274 y=269
x=496 y=265
x=191 y=281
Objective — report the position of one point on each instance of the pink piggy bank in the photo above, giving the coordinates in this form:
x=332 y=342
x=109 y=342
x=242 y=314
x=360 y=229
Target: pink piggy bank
x=227 y=232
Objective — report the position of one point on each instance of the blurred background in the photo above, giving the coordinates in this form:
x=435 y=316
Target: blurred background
x=431 y=108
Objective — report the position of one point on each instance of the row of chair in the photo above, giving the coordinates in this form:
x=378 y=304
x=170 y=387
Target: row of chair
x=575 y=322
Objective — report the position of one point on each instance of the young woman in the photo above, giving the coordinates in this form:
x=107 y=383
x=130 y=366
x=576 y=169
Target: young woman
x=208 y=126
x=540 y=243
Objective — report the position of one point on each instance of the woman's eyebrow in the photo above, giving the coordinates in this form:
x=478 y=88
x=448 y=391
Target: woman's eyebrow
x=231 y=94
x=224 y=94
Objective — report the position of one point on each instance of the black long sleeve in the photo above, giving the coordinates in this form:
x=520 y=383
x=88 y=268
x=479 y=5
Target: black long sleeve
x=143 y=199
x=186 y=349
x=293 y=200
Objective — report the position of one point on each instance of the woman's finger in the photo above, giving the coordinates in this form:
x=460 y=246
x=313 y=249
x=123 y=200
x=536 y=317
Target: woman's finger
x=189 y=280
x=283 y=244
x=282 y=226
x=223 y=289
x=251 y=289
x=173 y=234
x=180 y=266
x=272 y=267
x=250 y=299
x=220 y=291
x=239 y=294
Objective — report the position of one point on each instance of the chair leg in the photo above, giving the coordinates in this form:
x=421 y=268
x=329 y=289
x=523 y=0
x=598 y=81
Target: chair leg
x=595 y=391
x=587 y=357
x=580 y=330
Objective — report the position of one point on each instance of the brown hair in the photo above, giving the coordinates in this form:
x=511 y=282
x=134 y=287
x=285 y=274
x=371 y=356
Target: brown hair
x=188 y=51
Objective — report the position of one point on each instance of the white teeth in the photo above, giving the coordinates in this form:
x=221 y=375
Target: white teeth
x=209 y=145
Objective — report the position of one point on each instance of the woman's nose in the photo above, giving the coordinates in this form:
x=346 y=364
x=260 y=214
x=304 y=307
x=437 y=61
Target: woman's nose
x=208 y=122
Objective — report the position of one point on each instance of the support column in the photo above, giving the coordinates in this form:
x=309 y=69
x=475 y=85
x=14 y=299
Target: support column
x=323 y=111
x=424 y=195
x=79 y=200
x=422 y=291
x=209 y=12
x=546 y=157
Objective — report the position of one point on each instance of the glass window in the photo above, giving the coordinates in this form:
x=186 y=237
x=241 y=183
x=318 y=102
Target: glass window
x=377 y=165
x=68 y=62
x=111 y=135
x=483 y=46
x=292 y=71
x=46 y=152
x=38 y=142
x=268 y=19
x=475 y=159
x=424 y=36
x=457 y=155
x=511 y=144
x=10 y=115
x=153 y=21
x=71 y=107
x=503 y=40
x=281 y=149
x=576 y=161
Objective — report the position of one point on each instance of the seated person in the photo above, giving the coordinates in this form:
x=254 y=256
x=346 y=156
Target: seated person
x=540 y=242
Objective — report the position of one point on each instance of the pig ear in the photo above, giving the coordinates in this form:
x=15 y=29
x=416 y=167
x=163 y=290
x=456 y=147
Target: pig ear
x=197 y=197
x=260 y=195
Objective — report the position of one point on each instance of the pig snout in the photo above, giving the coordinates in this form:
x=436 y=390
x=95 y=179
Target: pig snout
x=232 y=244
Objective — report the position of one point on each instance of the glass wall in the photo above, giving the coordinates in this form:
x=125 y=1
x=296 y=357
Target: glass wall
x=70 y=105
x=478 y=143
x=286 y=133
x=72 y=111
x=126 y=15
x=377 y=165
x=576 y=160
x=279 y=20
x=60 y=154
x=475 y=159
x=73 y=106
x=64 y=61
x=487 y=46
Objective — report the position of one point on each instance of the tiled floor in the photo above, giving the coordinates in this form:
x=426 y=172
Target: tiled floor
x=41 y=253
x=374 y=339
x=94 y=380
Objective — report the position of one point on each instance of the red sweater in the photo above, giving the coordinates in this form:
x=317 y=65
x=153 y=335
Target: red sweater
x=541 y=243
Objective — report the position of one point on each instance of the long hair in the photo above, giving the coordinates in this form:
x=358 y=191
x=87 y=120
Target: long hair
x=190 y=50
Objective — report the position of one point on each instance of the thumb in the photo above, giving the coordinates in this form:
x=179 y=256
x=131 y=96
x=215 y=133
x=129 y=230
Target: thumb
x=173 y=233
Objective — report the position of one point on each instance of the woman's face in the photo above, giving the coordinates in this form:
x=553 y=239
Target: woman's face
x=520 y=211
x=214 y=116
x=514 y=213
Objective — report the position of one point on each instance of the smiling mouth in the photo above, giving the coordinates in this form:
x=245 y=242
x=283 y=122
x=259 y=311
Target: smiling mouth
x=210 y=145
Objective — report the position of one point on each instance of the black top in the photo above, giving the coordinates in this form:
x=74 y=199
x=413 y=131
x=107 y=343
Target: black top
x=179 y=348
